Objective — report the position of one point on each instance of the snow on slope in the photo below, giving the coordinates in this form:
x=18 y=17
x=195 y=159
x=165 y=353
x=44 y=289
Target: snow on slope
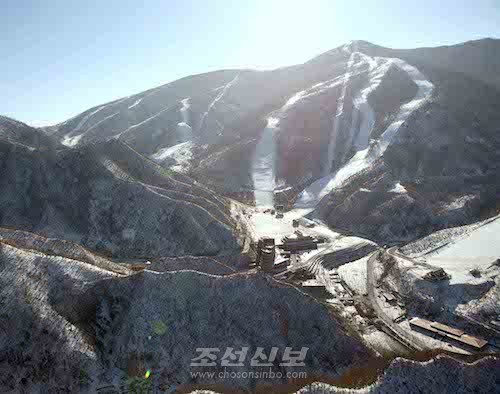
x=86 y=118
x=478 y=249
x=424 y=92
x=185 y=110
x=141 y=123
x=263 y=165
x=366 y=155
x=73 y=140
x=398 y=188
x=184 y=130
x=180 y=155
x=354 y=274
x=136 y=103
x=338 y=115
x=70 y=138
x=319 y=88
x=224 y=90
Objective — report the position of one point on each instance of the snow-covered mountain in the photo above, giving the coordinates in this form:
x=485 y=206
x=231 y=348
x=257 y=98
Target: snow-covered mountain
x=382 y=143
x=409 y=138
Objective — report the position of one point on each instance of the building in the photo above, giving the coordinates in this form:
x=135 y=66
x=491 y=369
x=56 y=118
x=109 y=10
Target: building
x=295 y=244
x=266 y=254
x=261 y=244
x=306 y=222
x=389 y=298
x=315 y=288
x=436 y=275
x=140 y=266
x=448 y=332
x=267 y=258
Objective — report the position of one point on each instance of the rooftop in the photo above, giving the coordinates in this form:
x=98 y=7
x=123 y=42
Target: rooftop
x=449 y=332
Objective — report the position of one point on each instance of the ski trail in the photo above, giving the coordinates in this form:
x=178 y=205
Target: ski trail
x=338 y=117
x=87 y=117
x=184 y=130
x=366 y=154
x=312 y=91
x=179 y=154
x=143 y=122
x=185 y=110
x=263 y=165
x=101 y=121
x=424 y=93
x=136 y=103
x=378 y=68
x=73 y=140
x=218 y=98
x=144 y=96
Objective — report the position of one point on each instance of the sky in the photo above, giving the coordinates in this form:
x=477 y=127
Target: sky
x=61 y=57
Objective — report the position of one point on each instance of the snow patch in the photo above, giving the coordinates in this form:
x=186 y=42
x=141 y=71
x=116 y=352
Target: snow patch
x=398 y=188
x=184 y=132
x=71 y=141
x=180 y=155
x=136 y=103
x=460 y=202
x=263 y=165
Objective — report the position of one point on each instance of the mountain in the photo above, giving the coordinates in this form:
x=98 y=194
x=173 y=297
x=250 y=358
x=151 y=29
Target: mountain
x=97 y=326
x=383 y=144
x=407 y=140
x=108 y=197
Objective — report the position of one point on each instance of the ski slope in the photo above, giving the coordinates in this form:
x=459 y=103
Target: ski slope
x=179 y=155
x=366 y=154
x=219 y=97
x=263 y=165
x=338 y=116
x=136 y=103
x=184 y=130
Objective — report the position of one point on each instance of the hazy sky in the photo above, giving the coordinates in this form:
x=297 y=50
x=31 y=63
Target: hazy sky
x=60 y=57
